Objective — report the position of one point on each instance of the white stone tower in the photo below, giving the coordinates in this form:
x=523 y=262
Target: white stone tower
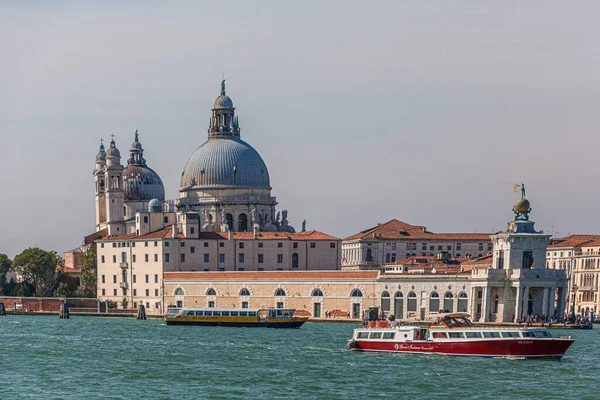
x=99 y=181
x=114 y=195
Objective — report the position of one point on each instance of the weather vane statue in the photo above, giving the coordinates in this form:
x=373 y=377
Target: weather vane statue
x=223 y=87
x=522 y=207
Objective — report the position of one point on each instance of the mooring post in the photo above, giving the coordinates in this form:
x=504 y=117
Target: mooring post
x=64 y=310
x=141 y=314
x=2 y=309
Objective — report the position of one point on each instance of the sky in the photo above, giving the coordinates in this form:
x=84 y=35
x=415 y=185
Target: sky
x=424 y=111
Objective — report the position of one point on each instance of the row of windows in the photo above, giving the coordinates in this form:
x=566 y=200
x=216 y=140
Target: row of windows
x=241 y=245
x=134 y=277
x=245 y=292
x=134 y=292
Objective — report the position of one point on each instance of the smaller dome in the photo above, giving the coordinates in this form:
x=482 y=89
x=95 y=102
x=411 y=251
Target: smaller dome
x=223 y=101
x=154 y=206
x=101 y=156
x=522 y=205
x=113 y=151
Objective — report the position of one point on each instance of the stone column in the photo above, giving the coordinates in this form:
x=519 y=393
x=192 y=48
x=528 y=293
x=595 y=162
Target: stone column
x=473 y=303
x=545 y=302
x=526 y=301
x=485 y=312
x=518 y=304
x=561 y=302
x=551 y=308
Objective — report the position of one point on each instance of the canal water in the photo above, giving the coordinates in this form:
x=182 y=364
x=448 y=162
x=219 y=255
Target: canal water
x=118 y=358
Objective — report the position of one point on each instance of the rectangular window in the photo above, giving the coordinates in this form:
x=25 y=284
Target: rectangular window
x=182 y=257
x=211 y=304
x=456 y=335
x=103 y=292
x=241 y=245
x=261 y=269
x=156 y=258
x=101 y=245
x=448 y=248
x=500 y=259
x=114 y=244
x=114 y=259
x=244 y=304
x=114 y=292
x=375 y=335
x=155 y=278
x=205 y=244
x=166 y=244
x=192 y=249
x=147 y=278
x=279 y=258
x=332 y=245
x=145 y=244
x=279 y=245
x=473 y=335
x=431 y=248
x=123 y=256
x=241 y=269
x=134 y=278
x=206 y=257
x=192 y=230
x=156 y=292
x=260 y=245
x=147 y=292
x=389 y=335
x=182 y=244
x=221 y=269
x=103 y=279
x=295 y=245
x=166 y=257
x=221 y=257
x=114 y=279
x=312 y=245
x=241 y=258
x=135 y=292
x=133 y=258
x=362 y=335
x=491 y=334
x=146 y=257
x=221 y=244
x=102 y=258
x=145 y=219
x=166 y=220
x=527 y=259
x=510 y=334
x=155 y=244
x=260 y=258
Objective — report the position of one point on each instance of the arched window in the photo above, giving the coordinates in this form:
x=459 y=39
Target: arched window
x=463 y=302
x=179 y=292
x=242 y=223
x=398 y=305
x=412 y=302
x=369 y=255
x=385 y=302
x=244 y=292
x=496 y=301
x=280 y=292
x=387 y=257
x=295 y=260
x=448 y=302
x=356 y=293
x=211 y=292
x=393 y=257
x=434 y=302
x=229 y=219
x=457 y=255
x=317 y=293
x=407 y=255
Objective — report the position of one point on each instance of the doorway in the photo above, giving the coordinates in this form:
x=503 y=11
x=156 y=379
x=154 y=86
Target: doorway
x=317 y=310
x=399 y=307
x=355 y=310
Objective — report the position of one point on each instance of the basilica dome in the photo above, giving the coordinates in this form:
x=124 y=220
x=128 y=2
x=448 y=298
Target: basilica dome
x=141 y=183
x=225 y=162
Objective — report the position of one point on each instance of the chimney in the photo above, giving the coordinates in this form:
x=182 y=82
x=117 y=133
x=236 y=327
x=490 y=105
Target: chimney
x=174 y=232
x=230 y=235
x=255 y=231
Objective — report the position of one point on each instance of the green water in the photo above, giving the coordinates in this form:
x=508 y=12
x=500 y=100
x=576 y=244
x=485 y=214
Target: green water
x=117 y=358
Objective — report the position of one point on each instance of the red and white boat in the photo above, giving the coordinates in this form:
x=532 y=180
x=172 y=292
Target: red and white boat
x=453 y=334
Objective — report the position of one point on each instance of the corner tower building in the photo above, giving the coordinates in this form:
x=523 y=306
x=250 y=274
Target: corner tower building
x=227 y=181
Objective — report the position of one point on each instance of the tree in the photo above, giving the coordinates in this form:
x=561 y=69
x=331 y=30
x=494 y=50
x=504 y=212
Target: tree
x=5 y=266
x=67 y=285
x=89 y=269
x=38 y=267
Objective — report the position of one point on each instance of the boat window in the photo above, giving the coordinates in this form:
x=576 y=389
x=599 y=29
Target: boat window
x=252 y=313
x=243 y=313
x=208 y=313
x=235 y=313
x=456 y=335
x=217 y=313
x=199 y=313
x=542 y=334
x=473 y=335
x=491 y=334
x=510 y=334
x=526 y=334
x=362 y=335
x=225 y=313
x=375 y=335
x=389 y=335
x=439 y=335
x=189 y=313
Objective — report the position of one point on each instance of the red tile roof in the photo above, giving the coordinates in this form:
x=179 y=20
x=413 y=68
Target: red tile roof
x=95 y=236
x=396 y=229
x=167 y=233
x=246 y=275
x=572 y=241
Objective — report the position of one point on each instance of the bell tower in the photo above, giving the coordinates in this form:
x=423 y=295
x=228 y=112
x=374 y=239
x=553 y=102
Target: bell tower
x=99 y=181
x=115 y=197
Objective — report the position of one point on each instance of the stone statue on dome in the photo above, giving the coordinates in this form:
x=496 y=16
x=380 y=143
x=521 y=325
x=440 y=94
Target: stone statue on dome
x=304 y=226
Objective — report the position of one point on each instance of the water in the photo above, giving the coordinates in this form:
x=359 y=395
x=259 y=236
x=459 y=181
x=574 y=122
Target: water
x=122 y=358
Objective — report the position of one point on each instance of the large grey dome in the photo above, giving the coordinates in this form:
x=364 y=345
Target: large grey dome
x=223 y=101
x=141 y=183
x=225 y=162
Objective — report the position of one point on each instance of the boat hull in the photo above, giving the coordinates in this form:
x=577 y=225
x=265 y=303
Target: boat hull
x=518 y=348
x=285 y=324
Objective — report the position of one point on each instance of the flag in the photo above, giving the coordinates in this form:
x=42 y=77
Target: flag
x=516 y=186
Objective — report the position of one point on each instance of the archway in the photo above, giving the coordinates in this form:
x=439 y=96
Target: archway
x=243 y=223
x=399 y=305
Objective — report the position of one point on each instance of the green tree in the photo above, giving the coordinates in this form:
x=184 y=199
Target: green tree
x=5 y=265
x=38 y=267
x=89 y=269
x=67 y=285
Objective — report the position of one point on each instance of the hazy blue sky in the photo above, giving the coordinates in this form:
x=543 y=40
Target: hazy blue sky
x=423 y=111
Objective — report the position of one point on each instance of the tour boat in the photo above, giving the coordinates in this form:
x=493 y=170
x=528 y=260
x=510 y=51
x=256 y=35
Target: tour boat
x=453 y=334
x=250 y=317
